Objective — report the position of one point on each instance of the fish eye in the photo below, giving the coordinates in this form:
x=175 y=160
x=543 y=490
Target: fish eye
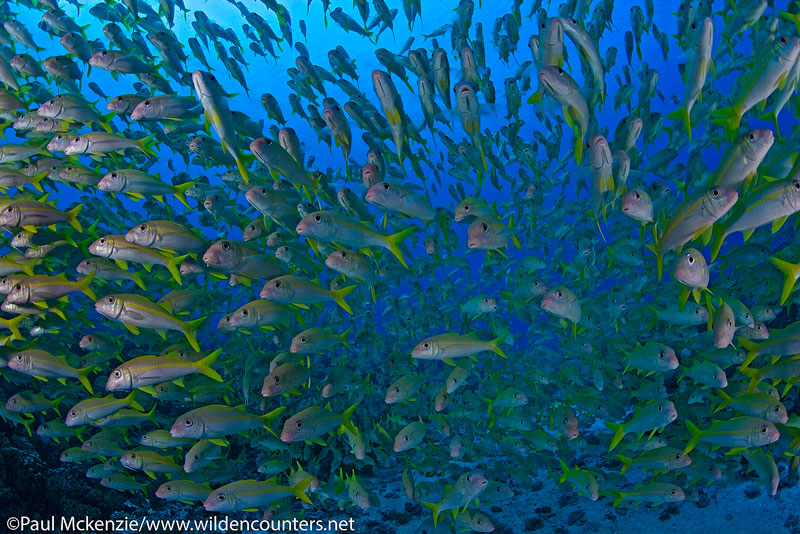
x=660 y=408
x=661 y=355
x=19 y=357
x=783 y=40
x=751 y=137
x=147 y=103
x=466 y=207
x=690 y=259
x=318 y=218
x=105 y=53
x=226 y=245
x=386 y=186
x=117 y=374
x=426 y=345
x=188 y=422
x=715 y=192
x=302 y=339
x=299 y=424
x=559 y=294
x=133 y=456
x=796 y=185
x=694 y=26
x=277 y=283
x=245 y=312
x=263 y=190
x=277 y=379
x=344 y=254
x=17 y=287
x=677 y=457
x=673 y=492
x=764 y=429
x=221 y=497
x=485 y=227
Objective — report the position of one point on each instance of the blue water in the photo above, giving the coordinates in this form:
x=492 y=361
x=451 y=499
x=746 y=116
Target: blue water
x=425 y=301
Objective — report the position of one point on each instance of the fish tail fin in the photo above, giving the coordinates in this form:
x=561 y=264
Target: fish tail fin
x=189 y=328
x=682 y=113
x=27 y=424
x=72 y=217
x=83 y=376
x=619 y=433
x=340 y=294
x=495 y=345
x=343 y=337
x=137 y=279
x=146 y=145
x=752 y=350
x=794 y=17
x=694 y=439
x=36 y=181
x=13 y=325
x=131 y=399
x=717 y=237
x=299 y=489
x=683 y=297
x=618 y=496
x=173 y=266
x=347 y=420
x=204 y=365
x=179 y=191
x=434 y=507
x=84 y=288
x=754 y=375
x=725 y=400
x=791 y=271
x=626 y=462
x=564 y=472
x=659 y=259
x=729 y=118
x=242 y=168
x=393 y=244
x=27 y=267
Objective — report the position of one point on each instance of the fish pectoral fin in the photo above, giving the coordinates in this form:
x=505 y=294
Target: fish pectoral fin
x=778 y=223
x=133 y=328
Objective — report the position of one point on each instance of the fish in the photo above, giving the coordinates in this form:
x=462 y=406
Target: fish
x=136 y=311
x=319 y=238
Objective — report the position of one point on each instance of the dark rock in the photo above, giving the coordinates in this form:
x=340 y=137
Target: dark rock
x=752 y=492
x=567 y=499
x=496 y=509
x=577 y=516
x=533 y=524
